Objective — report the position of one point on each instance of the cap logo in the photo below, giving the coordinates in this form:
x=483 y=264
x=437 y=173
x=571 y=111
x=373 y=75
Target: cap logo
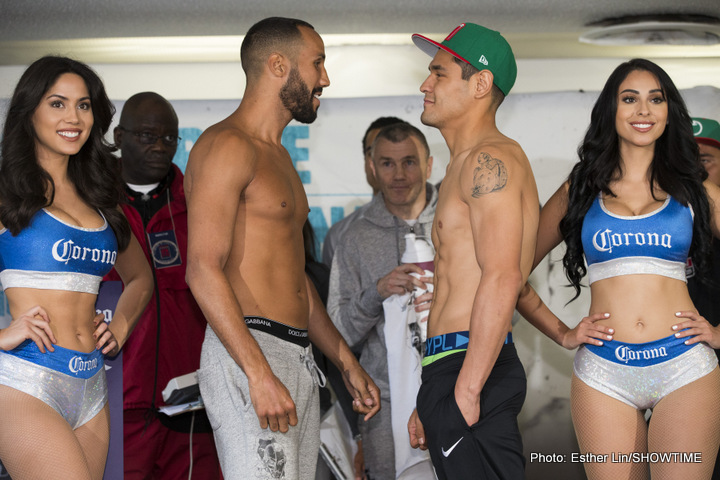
x=457 y=29
x=483 y=60
x=697 y=128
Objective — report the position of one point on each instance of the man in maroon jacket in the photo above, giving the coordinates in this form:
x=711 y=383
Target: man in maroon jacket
x=167 y=339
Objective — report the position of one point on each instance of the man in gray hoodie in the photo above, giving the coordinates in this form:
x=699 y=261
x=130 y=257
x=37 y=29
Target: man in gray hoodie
x=334 y=235
x=367 y=269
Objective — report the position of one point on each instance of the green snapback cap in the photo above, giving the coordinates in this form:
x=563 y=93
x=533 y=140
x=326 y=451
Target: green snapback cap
x=481 y=47
x=706 y=131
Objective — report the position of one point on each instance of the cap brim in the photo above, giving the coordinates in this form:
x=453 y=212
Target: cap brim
x=708 y=141
x=431 y=46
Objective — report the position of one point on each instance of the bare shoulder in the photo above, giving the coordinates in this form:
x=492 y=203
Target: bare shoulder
x=223 y=153
x=495 y=166
x=222 y=143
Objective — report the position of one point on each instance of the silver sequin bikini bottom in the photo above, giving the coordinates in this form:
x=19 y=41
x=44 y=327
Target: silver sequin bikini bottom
x=641 y=374
x=71 y=382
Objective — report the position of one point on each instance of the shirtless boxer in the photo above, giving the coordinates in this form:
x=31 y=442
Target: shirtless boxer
x=484 y=232
x=246 y=210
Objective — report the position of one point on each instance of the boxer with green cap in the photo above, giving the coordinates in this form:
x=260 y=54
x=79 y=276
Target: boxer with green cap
x=484 y=233
x=480 y=47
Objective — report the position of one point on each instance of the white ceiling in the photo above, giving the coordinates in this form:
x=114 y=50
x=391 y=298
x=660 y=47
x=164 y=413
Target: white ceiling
x=110 y=31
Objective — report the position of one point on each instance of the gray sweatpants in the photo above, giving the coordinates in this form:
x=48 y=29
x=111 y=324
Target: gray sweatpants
x=245 y=450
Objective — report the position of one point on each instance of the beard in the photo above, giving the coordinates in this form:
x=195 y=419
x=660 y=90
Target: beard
x=298 y=99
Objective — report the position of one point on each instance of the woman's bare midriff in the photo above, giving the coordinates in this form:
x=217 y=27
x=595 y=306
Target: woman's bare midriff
x=642 y=307
x=71 y=314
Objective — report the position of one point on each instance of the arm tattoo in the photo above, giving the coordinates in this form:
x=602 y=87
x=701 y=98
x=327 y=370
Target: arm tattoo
x=489 y=176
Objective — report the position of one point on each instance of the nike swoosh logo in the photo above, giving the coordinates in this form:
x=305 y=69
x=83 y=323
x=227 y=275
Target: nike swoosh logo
x=448 y=452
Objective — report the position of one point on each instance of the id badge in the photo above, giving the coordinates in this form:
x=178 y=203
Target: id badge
x=164 y=249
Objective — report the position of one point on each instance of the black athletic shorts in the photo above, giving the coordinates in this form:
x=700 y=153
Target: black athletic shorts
x=491 y=448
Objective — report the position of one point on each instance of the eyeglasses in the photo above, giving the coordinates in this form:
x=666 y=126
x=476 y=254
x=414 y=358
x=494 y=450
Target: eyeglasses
x=147 y=138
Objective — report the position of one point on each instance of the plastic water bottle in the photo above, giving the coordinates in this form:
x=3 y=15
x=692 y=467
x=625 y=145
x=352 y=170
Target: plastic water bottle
x=422 y=254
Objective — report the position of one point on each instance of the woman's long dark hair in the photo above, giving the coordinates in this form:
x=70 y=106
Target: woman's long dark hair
x=24 y=184
x=675 y=168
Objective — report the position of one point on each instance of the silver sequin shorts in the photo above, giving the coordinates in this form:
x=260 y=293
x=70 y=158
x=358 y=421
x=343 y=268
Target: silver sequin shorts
x=71 y=382
x=641 y=374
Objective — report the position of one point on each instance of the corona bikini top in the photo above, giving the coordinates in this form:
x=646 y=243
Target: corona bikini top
x=655 y=243
x=51 y=254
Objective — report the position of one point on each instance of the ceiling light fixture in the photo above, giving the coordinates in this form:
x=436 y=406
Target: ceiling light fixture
x=654 y=30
